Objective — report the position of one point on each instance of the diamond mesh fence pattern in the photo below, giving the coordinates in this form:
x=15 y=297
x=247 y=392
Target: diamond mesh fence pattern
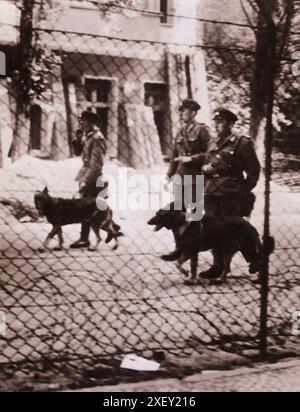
x=78 y=303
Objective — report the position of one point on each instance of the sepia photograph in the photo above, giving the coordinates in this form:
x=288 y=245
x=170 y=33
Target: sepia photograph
x=149 y=198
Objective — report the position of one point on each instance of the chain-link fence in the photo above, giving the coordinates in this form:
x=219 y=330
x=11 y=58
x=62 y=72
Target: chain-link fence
x=78 y=304
x=283 y=305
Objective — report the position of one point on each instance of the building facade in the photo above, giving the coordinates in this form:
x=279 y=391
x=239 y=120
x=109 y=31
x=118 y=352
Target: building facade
x=132 y=70
x=9 y=19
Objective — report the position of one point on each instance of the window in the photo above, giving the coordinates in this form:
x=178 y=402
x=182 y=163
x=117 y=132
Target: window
x=98 y=93
x=164 y=11
x=156 y=95
x=97 y=90
x=164 y=8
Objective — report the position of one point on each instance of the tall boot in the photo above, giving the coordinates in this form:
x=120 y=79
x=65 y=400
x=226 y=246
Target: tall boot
x=217 y=268
x=84 y=237
x=175 y=255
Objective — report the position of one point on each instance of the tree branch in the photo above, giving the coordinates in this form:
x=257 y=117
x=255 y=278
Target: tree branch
x=289 y=13
x=253 y=5
x=247 y=15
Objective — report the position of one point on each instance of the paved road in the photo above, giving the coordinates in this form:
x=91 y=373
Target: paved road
x=281 y=377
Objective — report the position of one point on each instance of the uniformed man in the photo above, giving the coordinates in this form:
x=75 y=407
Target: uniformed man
x=189 y=151
x=90 y=144
x=231 y=170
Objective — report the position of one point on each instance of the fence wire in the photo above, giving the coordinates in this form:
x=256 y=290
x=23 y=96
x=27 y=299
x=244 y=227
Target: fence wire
x=80 y=304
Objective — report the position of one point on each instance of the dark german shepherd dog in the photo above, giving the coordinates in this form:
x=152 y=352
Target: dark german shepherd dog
x=225 y=234
x=60 y=212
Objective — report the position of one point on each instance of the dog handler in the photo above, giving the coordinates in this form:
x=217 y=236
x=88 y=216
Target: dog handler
x=90 y=144
x=231 y=170
x=188 y=155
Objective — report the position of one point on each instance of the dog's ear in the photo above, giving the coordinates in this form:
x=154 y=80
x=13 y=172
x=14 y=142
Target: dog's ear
x=45 y=191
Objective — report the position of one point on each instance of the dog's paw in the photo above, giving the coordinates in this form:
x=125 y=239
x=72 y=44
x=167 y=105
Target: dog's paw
x=171 y=257
x=41 y=250
x=92 y=248
x=216 y=282
x=109 y=238
x=257 y=281
x=254 y=267
x=211 y=273
x=191 y=282
x=58 y=248
x=183 y=271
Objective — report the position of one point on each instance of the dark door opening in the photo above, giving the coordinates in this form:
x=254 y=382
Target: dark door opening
x=156 y=96
x=35 y=127
x=98 y=93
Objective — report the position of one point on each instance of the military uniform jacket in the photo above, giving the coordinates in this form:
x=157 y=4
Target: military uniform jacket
x=191 y=141
x=230 y=158
x=93 y=148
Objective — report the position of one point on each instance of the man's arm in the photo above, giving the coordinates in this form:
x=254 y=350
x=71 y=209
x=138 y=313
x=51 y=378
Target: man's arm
x=174 y=163
x=204 y=137
x=251 y=165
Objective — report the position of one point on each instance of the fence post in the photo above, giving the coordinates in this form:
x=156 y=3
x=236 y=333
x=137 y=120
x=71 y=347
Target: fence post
x=264 y=274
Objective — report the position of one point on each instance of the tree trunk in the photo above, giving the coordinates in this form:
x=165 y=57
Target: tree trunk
x=21 y=136
x=260 y=80
x=259 y=89
x=264 y=66
x=259 y=83
x=20 y=144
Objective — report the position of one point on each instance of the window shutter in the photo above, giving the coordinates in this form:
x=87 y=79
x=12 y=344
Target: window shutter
x=171 y=11
x=152 y=5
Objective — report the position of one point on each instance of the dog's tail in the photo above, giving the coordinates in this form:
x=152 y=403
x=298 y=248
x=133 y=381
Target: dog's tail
x=114 y=236
x=116 y=226
x=111 y=236
x=268 y=245
x=265 y=249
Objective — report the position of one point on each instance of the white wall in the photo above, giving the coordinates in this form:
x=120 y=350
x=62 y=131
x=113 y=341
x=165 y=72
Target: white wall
x=185 y=30
x=9 y=15
x=85 y=18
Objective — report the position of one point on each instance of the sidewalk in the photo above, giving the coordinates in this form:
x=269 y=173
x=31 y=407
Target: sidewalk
x=280 y=377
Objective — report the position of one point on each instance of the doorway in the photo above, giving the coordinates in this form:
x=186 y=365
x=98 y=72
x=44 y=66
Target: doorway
x=35 y=127
x=156 y=96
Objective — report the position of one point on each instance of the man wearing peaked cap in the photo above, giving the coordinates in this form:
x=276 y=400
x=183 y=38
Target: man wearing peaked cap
x=90 y=117
x=222 y=113
x=189 y=151
x=189 y=104
x=90 y=144
x=231 y=169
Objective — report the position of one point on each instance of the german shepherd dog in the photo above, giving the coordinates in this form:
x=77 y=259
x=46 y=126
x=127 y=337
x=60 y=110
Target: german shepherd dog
x=225 y=234
x=60 y=212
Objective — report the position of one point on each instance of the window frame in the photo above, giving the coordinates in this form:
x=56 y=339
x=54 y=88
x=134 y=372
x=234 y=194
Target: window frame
x=155 y=11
